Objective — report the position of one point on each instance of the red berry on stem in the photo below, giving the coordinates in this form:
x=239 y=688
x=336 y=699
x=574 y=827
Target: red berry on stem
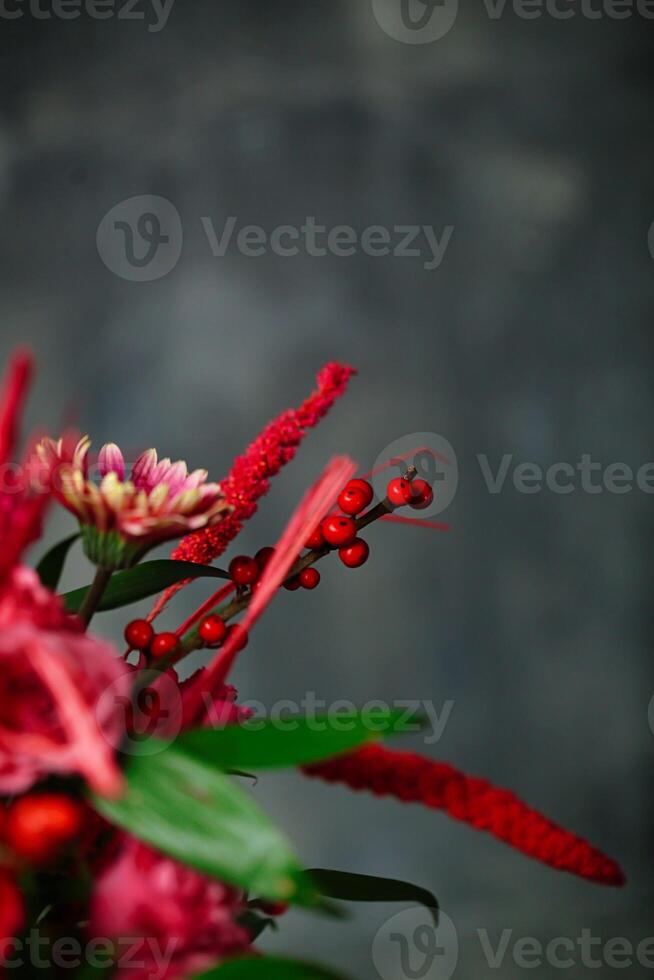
x=339 y=531
x=212 y=630
x=355 y=554
x=398 y=492
x=39 y=826
x=309 y=578
x=292 y=584
x=355 y=497
x=138 y=634
x=241 y=635
x=263 y=556
x=315 y=541
x=163 y=645
x=243 y=570
x=422 y=495
x=358 y=484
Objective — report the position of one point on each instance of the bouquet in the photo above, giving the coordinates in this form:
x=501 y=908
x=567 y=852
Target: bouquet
x=131 y=844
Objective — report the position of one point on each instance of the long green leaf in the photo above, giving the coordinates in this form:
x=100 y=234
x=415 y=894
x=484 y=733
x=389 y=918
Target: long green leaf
x=289 y=741
x=198 y=815
x=268 y=968
x=51 y=566
x=368 y=888
x=143 y=581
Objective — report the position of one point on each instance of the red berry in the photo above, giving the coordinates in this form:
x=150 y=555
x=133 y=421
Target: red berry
x=212 y=630
x=243 y=570
x=309 y=578
x=355 y=554
x=292 y=584
x=339 y=531
x=263 y=556
x=315 y=541
x=138 y=634
x=398 y=492
x=422 y=495
x=241 y=635
x=163 y=645
x=355 y=497
x=39 y=826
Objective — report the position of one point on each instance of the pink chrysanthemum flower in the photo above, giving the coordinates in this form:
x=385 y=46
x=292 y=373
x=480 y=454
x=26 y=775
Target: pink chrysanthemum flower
x=121 y=519
x=187 y=922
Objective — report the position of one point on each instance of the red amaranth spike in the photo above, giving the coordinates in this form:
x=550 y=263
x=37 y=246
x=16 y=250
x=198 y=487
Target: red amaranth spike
x=249 y=477
x=412 y=778
x=15 y=387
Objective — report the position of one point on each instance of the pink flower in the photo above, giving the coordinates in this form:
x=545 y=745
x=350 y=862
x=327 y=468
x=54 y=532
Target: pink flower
x=187 y=922
x=53 y=718
x=123 y=518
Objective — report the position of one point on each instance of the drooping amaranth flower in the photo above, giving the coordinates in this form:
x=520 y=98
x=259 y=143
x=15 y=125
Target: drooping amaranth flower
x=121 y=519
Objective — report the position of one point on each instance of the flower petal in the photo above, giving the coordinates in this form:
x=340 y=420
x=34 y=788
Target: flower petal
x=111 y=460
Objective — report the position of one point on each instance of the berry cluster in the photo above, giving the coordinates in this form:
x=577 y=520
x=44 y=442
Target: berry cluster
x=337 y=532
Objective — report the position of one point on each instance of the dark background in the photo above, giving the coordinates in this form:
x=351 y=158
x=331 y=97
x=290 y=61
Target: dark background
x=534 y=140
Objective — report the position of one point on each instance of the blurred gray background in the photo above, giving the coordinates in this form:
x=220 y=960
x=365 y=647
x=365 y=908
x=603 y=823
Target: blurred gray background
x=533 y=139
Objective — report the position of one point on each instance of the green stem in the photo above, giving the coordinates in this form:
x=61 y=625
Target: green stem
x=95 y=592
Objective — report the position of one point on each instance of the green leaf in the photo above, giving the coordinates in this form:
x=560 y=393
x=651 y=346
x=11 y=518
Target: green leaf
x=268 y=968
x=198 y=815
x=368 y=888
x=51 y=566
x=273 y=744
x=143 y=581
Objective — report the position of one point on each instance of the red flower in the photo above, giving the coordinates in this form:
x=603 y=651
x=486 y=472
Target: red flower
x=53 y=718
x=187 y=922
x=414 y=779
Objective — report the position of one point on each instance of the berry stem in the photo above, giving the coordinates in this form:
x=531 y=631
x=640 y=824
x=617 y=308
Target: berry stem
x=191 y=640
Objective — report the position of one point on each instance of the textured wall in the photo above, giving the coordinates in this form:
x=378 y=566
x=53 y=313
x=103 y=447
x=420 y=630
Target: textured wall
x=532 y=338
